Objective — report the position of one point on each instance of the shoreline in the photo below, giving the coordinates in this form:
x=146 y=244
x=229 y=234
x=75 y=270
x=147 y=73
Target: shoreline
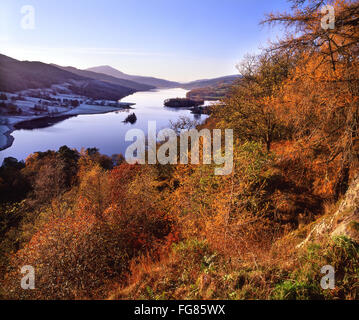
x=7 y=140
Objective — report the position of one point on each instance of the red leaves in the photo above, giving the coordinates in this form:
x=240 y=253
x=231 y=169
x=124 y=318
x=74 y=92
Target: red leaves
x=119 y=179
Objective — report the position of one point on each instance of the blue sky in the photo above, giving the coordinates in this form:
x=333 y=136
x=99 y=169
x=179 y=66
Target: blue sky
x=174 y=39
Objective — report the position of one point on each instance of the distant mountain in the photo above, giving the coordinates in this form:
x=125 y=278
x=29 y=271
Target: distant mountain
x=100 y=82
x=158 y=83
x=18 y=75
x=210 y=82
x=106 y=78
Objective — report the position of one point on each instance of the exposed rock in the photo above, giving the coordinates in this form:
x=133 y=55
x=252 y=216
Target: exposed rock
x=344 y=222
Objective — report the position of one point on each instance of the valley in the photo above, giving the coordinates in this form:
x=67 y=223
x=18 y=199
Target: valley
x=36 y=95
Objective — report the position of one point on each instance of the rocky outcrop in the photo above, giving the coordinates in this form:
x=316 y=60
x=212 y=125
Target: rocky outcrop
x=345 y=220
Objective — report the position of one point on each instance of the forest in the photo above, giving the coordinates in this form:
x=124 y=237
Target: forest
x=96 y=227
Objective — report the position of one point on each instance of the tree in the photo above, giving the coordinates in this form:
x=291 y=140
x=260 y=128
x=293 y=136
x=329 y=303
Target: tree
x=86 y=251
x=50 y=181
x=94 y=191
x=14 y=185
x=70 y=158
x=250 y=108
x=304 y=23
x=11 y=162
x=75 y=103
x=321 y=98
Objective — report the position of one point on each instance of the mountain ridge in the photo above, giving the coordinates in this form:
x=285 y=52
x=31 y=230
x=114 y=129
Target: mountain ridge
x=107 y=78
x=162 y=83
x=202 y=83
x=158 y=83
x=19 y=75
x=104 y=82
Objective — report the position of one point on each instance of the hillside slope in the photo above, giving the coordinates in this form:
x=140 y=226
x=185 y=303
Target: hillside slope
x=210 y=82
x=106 y=78
x=22 y=75
x=194 y=270
x=151 y=81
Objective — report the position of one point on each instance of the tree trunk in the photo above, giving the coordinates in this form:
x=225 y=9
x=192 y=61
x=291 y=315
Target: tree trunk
x=268 y=146
x=342 y=184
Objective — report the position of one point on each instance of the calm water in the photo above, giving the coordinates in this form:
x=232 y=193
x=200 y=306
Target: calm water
x=103 y=131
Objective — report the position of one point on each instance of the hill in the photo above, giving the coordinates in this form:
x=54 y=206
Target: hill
x=161 y=83
x=22 y=75
x=106 y=78
x=210 y=93
x=211 y=89
x=151 y=81
x=210 y=82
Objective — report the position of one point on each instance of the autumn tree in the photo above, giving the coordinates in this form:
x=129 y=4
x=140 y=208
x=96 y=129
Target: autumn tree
x=13 y=184
x=86 y=251
x=50 y=181
x=250 y=109
x=94 y=191
x=321 y=98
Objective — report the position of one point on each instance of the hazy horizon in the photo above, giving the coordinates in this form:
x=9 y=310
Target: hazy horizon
x=104 y=65
x=177 y=40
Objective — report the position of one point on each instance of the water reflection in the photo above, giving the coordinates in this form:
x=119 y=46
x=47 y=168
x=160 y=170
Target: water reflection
x=103 y=131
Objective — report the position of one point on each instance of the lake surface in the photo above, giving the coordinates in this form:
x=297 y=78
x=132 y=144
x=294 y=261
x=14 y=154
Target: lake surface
x=103 y=131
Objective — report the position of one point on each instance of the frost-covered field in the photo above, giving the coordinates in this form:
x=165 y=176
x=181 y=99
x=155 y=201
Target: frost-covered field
x=3 y=128
x=34 y=104
x=3 y=137
x=90 y=109
x=3 y=140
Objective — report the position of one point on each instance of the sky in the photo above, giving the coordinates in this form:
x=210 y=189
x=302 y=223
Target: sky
x=180 y=40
